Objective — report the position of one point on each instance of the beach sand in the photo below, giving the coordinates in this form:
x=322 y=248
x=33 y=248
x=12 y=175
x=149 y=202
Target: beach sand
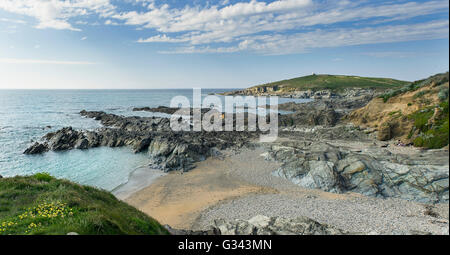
x=241 y=185
x=178 y=199
x=139 y=179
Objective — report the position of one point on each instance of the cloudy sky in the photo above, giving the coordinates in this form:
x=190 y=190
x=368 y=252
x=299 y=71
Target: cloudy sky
x=216 y=43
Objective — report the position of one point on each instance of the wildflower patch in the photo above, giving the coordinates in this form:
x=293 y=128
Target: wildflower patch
x=35 y=217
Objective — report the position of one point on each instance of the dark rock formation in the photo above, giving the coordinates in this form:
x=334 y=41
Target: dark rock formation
x=179 y=150
x=168 y=110
x=310 y=118
x=168 y=150
x=161 y=109
x=37 y=148
x=320 y=112
x=372 y=172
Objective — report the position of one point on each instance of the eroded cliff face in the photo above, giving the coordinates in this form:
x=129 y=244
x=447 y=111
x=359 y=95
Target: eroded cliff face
x=413 y=115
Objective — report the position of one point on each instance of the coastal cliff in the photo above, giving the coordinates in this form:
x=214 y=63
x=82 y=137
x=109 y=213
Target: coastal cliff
x=414 y=114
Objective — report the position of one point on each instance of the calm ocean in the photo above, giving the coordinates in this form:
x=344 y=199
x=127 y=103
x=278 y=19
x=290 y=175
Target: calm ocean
x=25 y=115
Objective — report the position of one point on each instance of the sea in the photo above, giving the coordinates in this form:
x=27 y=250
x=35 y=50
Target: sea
x=27 y=115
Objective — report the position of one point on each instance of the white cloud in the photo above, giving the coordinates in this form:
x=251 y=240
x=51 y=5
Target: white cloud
x=189 y=18
x=346 y=37
x=161 y=38
x=17 y=21
x=42 y=61
x=235 y=22
x=278 y=27
x=83 y=38
x=202 y=50
x=303 y=42
x=253 y=17
x=56 y=24
x=110 y=22
x=56 y=13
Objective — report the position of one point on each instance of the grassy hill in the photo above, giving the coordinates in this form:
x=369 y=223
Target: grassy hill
x=41 y=204
x=335 y=82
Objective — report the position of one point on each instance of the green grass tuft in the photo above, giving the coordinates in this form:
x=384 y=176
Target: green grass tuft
x=42 y=204
x=436 y=134
x=43 y=177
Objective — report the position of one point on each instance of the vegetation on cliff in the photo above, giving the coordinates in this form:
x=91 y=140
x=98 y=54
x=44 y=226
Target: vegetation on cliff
x=43 y=205
x=432 y=126
x=437 y=79
x=335 y=82
x=417 y=113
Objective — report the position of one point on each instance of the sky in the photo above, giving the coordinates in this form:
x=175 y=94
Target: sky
x=145 y=44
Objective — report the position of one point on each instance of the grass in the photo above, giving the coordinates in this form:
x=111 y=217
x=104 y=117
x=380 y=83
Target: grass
x=437 y=79
x=41 y=204
x=436 y=134
x=336 y=82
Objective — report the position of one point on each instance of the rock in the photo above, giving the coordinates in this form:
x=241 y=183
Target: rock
x=1 y=176
x=142 y=144
x=321 y=176
x=160 y=147
x=82 y=144
x=64 y=139
x=374 y=172
x=259 y=221
x=384 y=132
x=353 y=167
x=169 y=150
x=173 y=231
x=310 y=117
x=263 y=225
x=36 y=148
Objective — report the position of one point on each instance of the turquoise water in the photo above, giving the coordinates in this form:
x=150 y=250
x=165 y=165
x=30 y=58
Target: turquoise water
x=25 y=115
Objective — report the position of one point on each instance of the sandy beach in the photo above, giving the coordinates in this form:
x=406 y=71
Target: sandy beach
x=140 y=178
x=241 y=185
x=178 y=198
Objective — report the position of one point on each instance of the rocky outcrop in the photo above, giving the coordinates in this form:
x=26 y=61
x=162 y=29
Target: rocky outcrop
x=373 y=172
x=161 y=109
x=319 y=112
x=168 y=150
x=178 y=151
x=263 y=225
x=168 y=110
x=37 y=148
x=130 y=124
x=309 y=118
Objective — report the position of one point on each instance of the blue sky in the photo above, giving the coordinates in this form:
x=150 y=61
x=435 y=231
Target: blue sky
x=216 y=44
